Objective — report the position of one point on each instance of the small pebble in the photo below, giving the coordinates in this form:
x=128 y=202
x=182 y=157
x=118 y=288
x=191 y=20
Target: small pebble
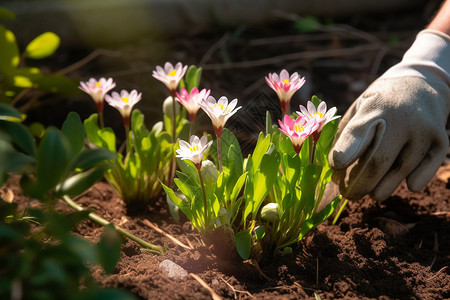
x=172 y=270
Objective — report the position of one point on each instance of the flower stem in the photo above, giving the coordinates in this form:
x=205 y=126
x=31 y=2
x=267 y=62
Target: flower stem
x=99 y=220
x=101 y=120
x=173 y=168
x=174 y=116
x=191 y=128
x=219 y=154
x=312 y=151
x=205 y=203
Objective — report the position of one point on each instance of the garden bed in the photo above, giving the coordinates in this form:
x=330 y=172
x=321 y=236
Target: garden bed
x=395 y=250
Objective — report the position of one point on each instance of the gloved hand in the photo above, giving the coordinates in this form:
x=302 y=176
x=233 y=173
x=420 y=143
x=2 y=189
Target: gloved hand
x=396 y=128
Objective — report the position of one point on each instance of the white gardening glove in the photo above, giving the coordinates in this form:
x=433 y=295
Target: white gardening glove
x=396 y=128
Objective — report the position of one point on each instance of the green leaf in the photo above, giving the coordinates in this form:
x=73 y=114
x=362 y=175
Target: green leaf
x=192 y=77
x=20 y=135
x=9 y=113
x=59 y=84
x=42 y=46
x=262 y=145
x=260 y=232
x=269 y=125
x=80 y=182
x=310 y=178
x=74 y=131
x=308 y=24
x=9 y=59
x=24 y=77
x=238 y=187
x=319 y=217
x=54 y=154
x=12 y=161
x=109 y=248
x=184 y=207
x=243 y=243
x=90 y=158
x=6 y=14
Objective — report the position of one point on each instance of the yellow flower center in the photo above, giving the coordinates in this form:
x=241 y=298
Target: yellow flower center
x=318 y=114
x=172 y=73
x=298 y=128
x=125 y=99
x=286 y=81
x=220 y=105
x=98 y=84
x=194 y=148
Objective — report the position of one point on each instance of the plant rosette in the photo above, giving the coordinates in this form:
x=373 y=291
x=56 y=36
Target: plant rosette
x=304 y=173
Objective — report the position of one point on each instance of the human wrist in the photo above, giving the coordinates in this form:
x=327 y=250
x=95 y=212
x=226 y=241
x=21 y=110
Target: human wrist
x=427 y=58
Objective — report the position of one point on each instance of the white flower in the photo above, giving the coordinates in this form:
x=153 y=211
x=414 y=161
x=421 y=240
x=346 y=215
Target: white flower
x=124 y=102
x=321 y=115
x=194 y=150
x=97 y=89
x=285 y=86
x=219 y=111
x=170 y=75
x=191 y=100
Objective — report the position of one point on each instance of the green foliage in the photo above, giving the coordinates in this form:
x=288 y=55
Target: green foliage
x=47 y=261
x=308 y=24
x=299 y=188
x=44 y=260
x=42 y=46
x=136 y=175
x=15 y=76
x=58 y=165
x=192 y=78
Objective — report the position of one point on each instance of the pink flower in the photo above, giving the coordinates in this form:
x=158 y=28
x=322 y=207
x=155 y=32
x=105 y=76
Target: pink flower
x=297 y=130
x=285 y=86
x=170 y=75
x=191 y=101
x=124 y=103
x=219 y=111
x=320 y=115
x=194 y=150
x=97 y=90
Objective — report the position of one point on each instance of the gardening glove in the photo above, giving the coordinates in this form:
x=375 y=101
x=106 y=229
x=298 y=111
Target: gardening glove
x=396 y=128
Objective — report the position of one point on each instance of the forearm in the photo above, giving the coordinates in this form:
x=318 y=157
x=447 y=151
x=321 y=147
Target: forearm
x=441 y=21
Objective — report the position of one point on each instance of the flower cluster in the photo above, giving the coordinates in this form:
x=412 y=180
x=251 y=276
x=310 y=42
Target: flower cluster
x=279 y=185
x=310 y=121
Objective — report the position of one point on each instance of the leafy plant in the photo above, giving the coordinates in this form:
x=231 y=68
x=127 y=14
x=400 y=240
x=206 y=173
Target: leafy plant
x=16 y=79
x=137 y=175
x=47 y=261
x=43 y=259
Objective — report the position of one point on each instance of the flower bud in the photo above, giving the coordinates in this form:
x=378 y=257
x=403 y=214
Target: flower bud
x=158 y=127
x=168 y=107
x=209 y=172
x=270 y=212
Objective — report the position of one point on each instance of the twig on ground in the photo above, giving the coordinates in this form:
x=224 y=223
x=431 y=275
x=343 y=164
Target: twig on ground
x=437 y=273
x=235 y=290
x=169 y=236
x=214 y=295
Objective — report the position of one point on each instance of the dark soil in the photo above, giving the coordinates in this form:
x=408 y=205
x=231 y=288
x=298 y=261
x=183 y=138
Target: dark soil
x=395 y=250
